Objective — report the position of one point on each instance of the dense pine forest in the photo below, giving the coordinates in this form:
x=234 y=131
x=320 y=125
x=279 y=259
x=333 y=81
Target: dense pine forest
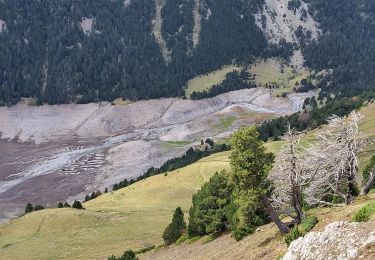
x=88 y=51
x=347 y=45
x=46 y=54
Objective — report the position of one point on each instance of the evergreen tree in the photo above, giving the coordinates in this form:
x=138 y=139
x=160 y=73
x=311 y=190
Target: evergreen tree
x=29 y=208
x=77 y=205
x=60 y=205
x=208 y=212
x=66 y=205
x=174 y=230
x=250 y=163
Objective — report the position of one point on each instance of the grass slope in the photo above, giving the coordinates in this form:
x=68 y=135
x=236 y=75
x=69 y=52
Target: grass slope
x=266 y=72
x=133 y=217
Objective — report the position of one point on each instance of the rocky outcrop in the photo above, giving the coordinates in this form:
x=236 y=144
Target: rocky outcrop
x=339 y=240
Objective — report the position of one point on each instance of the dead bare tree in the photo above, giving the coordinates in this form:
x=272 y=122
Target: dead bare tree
x=335 y=154
x=370 y=181
x=289 y=176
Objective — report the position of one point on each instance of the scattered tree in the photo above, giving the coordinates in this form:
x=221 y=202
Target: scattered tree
x=208 y=212
x=250 y=166
x=77 y=205
x=174 y=230
x=29 y=208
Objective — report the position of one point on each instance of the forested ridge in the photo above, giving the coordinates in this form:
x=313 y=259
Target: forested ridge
x=89 y=51
x=45 y=53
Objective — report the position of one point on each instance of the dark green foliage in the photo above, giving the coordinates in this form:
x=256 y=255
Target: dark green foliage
x=317 y=116
x=294 y=4
x=128 y=255
x=233 y=81
x=106 y=190
x=46 y=54
x=293 y=235
x=369 y=167
x=208 y=212
x=308 y=224
x=38 y=207
x=364 y=214
x=66 y=205
x=244 y=216
x=29 y=208
x=145 y=249
x=77 y=205
x=87 y=198
x=60 y=205
x=346 y=46
x=174 y=230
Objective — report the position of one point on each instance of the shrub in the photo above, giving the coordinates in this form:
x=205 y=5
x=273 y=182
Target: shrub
x=77 y=205
x=174 y=230
x=60 y=205
x=308 y=223
x=128 y=255
x=38 y=207
x=182 y=239
x=144 y=250
x=293 y=235
x=364 y=214
x=66 y=205
x=29 y=208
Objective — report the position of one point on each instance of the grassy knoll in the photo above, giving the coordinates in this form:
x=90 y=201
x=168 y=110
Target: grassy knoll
x=270 y=71
x=266 y=72
x=133 y=217
x=206 y=81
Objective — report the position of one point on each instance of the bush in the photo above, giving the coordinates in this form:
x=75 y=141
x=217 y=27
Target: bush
x=77 y=205
x=364 y=214
x=144 y=250
x=128 y=255
x=60 y=205
x=38 y=207
x=66 y=205
x=29 y=208
x=308 y=223
x=293 y=235
x=174 y=230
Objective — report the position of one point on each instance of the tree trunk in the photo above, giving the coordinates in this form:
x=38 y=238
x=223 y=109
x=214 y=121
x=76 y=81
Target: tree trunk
x=275 y=218
x=369 y=184
x=297 y=204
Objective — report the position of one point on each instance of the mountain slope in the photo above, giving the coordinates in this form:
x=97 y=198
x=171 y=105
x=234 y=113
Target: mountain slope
x=83 y=51
x=133 y=217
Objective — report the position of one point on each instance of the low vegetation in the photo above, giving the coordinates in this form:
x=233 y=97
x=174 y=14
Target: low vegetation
x=365 y=213
x=174 y=230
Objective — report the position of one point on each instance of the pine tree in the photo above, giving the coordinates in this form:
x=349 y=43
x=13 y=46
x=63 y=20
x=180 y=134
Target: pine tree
x=77 y=205
x=29 y=208
x=174 y=230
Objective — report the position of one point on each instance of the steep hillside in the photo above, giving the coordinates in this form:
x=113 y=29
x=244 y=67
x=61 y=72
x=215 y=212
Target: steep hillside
x=266 y=243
